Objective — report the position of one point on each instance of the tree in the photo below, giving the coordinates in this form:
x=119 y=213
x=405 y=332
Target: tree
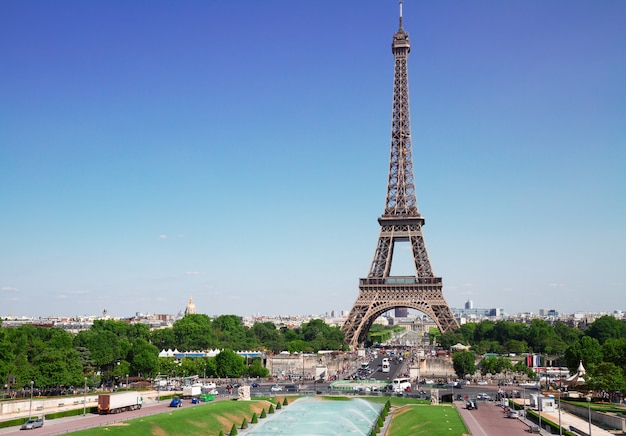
x=194 y=332
x=464 y=363
x=229 y=364
x=587 y=349
x=144 y=358
x=256 y=369
x=450 y=338
x=543 y=339
x=495 y=365
x=606 y=327
x=614 y=350
x=605 y=376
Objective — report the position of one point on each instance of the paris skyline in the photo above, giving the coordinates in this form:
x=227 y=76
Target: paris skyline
x=237 y=153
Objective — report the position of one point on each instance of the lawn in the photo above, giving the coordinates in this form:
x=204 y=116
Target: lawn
x=411 y=417
x=204 y=419
x=419 y=419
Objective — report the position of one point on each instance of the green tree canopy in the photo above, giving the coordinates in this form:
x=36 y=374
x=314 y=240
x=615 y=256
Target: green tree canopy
x=464 y=363
x=606 y=327
x=229 y=364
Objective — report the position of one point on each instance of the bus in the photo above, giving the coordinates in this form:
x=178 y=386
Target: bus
x=401 y=384
x=385 y=365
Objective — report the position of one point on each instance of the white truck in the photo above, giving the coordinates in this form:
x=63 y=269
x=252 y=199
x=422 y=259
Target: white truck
x=191 y=391
x=119 y=402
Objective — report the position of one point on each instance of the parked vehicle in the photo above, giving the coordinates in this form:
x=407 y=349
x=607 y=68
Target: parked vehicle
x=291 y=388
x=176 y=402
x=471 y=404
x=276 y=388
x=195 y=400
x=32 y=423
x=119 y=402
x=192 y=391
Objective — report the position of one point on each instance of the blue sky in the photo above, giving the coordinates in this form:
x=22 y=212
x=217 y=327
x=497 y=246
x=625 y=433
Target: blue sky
x=237 y=153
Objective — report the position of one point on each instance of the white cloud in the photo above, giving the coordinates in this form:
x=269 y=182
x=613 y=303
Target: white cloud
x=9 y=289
x=557 y=285
x=73 y=294
x=194 y=273
x=162 y=236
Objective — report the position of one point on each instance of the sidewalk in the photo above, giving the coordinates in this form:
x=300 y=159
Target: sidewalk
x=567 y=420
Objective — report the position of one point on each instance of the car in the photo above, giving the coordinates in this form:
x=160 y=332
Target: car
x=176 y=402
x=195 y=400
x=254 y=385
x=291 y=388
x=482 y=383
x=471 y=405
x=276 y=388
x=32 y=423
x=512 y=414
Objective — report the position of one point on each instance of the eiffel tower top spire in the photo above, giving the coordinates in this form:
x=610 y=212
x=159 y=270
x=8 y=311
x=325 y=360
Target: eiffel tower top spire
x=401 y=200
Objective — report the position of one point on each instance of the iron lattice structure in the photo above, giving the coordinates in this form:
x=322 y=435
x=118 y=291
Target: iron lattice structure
x=401 y=222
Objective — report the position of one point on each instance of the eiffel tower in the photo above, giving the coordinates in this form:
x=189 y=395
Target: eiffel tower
x=400 y=222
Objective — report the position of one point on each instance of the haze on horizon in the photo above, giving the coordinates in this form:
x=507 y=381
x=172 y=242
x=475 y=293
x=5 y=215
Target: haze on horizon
x=237 y=153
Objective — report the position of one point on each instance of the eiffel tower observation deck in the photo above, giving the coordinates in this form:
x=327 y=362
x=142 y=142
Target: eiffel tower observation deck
x=400 y=222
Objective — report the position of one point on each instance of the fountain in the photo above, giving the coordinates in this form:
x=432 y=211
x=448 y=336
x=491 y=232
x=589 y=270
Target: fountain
x=309 y=416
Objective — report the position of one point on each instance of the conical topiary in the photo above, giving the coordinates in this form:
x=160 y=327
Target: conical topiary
x=270 y=411
x=255 y=418
x=233 y=430
x=380 y=422
x=285 y=402
x=221 y=433
x=278 y=406
x=244 y=423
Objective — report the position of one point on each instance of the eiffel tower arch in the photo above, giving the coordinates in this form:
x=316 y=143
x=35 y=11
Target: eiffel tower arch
x=400 y=222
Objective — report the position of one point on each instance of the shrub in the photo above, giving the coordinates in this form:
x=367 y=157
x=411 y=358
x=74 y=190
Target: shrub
x=255 y=418
x=233 y=430
x=244 y=423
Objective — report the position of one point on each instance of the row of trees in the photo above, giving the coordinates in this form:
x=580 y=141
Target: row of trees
x=601 y=347
x=112 y=350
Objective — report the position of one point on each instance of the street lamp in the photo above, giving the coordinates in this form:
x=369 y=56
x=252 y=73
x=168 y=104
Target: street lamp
x=85 y=399
x=589 y=409
x=30 y=409
x=126 y=381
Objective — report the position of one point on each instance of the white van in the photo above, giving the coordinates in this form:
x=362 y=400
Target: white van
x=401 y=384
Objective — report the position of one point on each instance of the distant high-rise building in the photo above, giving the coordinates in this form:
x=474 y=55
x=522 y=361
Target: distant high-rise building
x=469 y=304
x=401 y=312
